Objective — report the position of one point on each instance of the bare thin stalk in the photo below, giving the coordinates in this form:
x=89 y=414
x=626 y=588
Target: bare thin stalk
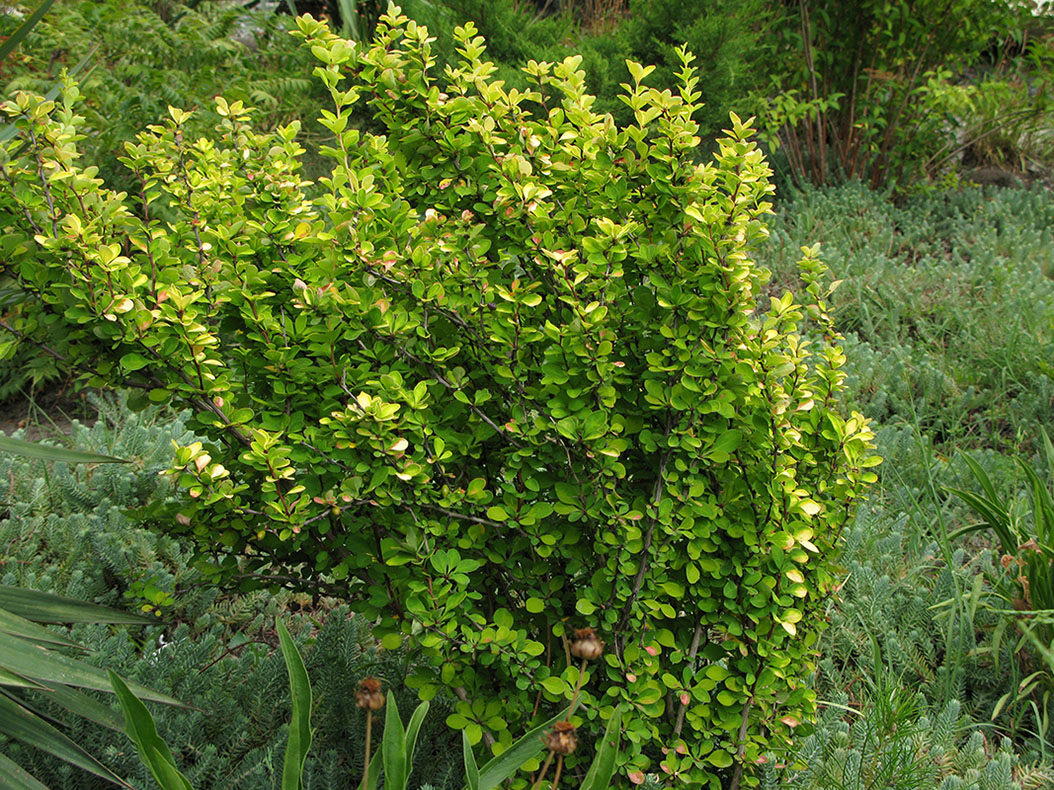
x=545 y=769
x=366 y=767
x=559 y=770
x=578 y=688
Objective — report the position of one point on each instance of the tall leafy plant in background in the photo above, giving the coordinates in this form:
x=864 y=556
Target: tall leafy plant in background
x=506 y=372
x=858 y=88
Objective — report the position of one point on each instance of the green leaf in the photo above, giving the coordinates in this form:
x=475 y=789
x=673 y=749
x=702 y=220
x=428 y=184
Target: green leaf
x=25 y=658
x=45 y=453
x=502 y=767
x=23 y=725
x=471 y=769
x=603 y=768
x=12 y=775
x=133 y=362
x=375 y=772
x=393 y=746
x=412 y=730
x=17 y=626
x=720 y=758
x=86 y=707
x=554 y=685
x=153 y=751
x=23 y=30
x=42 y=607
x=300 y=725
x=725 y=445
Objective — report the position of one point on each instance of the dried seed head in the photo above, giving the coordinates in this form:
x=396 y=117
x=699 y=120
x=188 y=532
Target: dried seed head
x=586 y=644
x=562 y=738
x=369 y=696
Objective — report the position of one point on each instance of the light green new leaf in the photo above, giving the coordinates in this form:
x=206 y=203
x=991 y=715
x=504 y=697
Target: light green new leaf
x=153 y=751
x=300 y=726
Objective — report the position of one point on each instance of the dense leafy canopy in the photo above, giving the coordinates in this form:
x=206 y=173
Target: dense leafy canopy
x=506 y=375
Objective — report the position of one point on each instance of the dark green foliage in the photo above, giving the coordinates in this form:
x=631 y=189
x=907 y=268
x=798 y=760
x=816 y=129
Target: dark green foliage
x=727 y=37
x=237 y=736
x=724 y=36
x=144 y=57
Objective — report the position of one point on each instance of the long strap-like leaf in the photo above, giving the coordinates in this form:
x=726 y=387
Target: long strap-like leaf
x=22 y=725
x=153 y=751
x=603 y=768
x=46 y=453
x=300 y=726
x=495 y=772
x=42 y=607
x=12 y=775
x=24 y=658
x=23 y=30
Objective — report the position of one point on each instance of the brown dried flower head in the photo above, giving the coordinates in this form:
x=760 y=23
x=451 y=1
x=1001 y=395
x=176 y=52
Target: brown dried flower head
x=562 y=738
x=369 y=696
x=586 y=644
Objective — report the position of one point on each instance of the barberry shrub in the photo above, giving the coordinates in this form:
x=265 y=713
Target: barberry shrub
x=505 y=376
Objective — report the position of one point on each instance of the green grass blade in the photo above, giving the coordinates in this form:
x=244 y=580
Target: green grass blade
x=12 y=775
x=14 y=680
x=86 y=707
x=598 y=777
x=393 y=746
x=376 y=764
x=412 y=731
x=471 y=769
x=22 y=725
x=300 y=725
x=349 y=19
x=25 y=658
x=45 y=453
x=23 y=30
x=42 y=607
x=153 y=751
x=509 y=761
x=18 y=626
